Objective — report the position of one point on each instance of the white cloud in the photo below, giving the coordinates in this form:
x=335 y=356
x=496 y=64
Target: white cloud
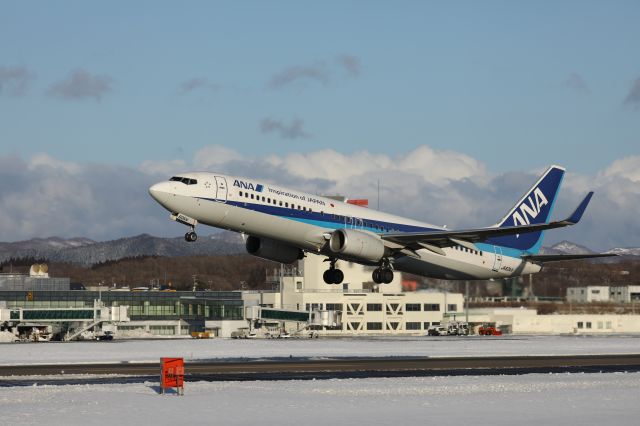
x=163 y=168
x=45 y=160
x=628 y=167
x=44 y=196
x=440 y=166
x=213 y=156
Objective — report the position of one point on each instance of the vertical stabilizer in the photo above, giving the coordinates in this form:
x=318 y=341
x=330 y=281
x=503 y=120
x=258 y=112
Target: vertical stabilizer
x=534 y=207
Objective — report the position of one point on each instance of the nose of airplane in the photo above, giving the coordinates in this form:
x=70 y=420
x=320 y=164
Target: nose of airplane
x=159 y=191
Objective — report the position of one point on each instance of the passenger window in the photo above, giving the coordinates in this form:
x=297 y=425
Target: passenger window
x=269 y=200
x=263 y=199
x=241 y=193
x=286 y=205
x=280 y=203
x=252 y=196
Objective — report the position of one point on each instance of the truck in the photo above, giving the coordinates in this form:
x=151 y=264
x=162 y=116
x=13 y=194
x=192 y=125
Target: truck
x=458 y=328
x=437 y=330
x=487 y=329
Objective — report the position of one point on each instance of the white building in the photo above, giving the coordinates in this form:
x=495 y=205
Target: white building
x=364 y=307
x=588 y=294
x=527 y=321
x=625 y=294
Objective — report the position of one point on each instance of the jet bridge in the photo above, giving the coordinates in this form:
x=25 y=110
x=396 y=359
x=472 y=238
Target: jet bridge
x=89 y=317
x=315 y=318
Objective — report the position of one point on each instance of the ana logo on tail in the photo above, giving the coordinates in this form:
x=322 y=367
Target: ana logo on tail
x=531 y=210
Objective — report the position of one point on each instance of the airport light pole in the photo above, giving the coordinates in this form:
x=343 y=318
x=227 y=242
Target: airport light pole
x=466 y=302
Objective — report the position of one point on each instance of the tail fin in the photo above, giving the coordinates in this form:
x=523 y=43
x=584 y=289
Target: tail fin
x=534 y=207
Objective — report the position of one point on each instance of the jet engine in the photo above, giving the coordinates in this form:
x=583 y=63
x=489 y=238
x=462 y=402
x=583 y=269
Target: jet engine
x=273 y=250
x=357 y=244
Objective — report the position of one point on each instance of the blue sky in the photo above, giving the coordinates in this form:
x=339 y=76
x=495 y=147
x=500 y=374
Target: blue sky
x=513 y=85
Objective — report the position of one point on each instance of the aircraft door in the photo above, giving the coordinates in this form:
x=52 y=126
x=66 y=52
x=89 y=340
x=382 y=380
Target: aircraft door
x=497 y=263
x=221 y=189
x=358 y=223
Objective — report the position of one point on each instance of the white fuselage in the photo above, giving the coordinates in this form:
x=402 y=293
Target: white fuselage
x=304 y=220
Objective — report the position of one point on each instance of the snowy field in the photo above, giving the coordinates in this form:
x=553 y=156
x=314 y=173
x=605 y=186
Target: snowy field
x=534 y=399
x=152 y=350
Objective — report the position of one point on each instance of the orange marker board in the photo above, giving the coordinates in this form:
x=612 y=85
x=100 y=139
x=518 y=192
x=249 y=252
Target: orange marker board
x=172 y=375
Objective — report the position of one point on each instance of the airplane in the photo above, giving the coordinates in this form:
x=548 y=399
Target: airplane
x=282 y=225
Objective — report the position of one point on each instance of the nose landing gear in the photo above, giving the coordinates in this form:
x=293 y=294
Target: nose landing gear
x=191 y=236
x=333 y=275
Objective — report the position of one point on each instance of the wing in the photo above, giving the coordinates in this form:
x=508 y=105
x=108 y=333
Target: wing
x=435 y=241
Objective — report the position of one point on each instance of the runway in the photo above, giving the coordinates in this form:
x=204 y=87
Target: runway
x=308 y=369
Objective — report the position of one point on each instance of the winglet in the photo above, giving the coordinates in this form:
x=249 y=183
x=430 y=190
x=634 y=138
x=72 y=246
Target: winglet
x=577 y=214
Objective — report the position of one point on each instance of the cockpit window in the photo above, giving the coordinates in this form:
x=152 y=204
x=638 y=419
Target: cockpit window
x=184 y=180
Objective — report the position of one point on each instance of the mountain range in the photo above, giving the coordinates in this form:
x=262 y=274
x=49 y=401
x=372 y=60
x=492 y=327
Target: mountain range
x=567 y=247
x=86 y=252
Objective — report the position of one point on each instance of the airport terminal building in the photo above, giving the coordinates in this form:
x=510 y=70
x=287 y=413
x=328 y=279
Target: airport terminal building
x=358 y=306
x=301 y=303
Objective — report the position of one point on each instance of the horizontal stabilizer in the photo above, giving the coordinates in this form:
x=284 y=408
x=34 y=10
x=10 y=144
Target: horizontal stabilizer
x=544 y=258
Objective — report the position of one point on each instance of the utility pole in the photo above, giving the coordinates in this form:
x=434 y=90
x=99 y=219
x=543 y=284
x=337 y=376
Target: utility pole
x=466 y=302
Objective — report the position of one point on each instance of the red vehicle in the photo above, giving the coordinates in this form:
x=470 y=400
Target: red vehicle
x=489 y=330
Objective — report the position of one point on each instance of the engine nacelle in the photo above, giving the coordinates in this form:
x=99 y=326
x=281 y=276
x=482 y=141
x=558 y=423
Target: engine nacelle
x=357 y=244
x=273 y=250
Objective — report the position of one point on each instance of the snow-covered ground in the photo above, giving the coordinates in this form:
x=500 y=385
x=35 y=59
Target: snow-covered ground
x=152 y=350
x=534 y=399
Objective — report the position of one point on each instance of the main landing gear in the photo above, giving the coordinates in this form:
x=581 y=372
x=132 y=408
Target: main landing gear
x=383 y=274
x=333 y=275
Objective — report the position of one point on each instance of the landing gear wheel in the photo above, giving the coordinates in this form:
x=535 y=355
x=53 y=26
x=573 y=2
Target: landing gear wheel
x=382 y=275
x=333 y=276
x=190 y=237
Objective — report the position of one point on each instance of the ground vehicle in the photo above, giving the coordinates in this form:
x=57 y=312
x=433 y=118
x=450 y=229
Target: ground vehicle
x=437 y=330
x=106 y=336
x=489 y=330
x=458 y=328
